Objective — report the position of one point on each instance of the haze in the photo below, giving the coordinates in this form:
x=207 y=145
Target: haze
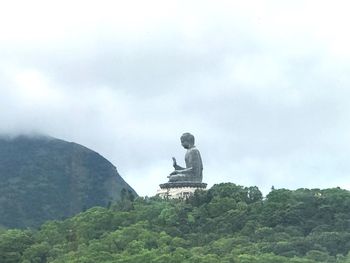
x=263 y=85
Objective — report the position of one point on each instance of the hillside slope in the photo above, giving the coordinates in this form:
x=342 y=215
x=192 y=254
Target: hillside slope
x=44 y=178
x=225 y=224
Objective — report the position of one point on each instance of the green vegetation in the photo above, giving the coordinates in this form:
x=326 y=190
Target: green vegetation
x=42 y=178
x=227 y=223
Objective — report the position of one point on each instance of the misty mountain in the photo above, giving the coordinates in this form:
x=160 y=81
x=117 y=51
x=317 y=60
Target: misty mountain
x=44 y=178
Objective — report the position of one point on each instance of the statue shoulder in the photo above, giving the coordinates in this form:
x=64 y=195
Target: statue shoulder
x=193 y=151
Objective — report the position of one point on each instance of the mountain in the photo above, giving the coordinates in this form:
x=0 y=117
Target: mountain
x=44 y=178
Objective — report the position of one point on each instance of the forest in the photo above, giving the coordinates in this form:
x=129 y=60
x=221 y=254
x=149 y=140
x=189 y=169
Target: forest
x=227 y=223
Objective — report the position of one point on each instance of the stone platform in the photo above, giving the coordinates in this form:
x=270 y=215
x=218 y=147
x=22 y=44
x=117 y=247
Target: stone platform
x=179 y=190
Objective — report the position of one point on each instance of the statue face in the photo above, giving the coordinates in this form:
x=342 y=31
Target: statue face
x=185 y=143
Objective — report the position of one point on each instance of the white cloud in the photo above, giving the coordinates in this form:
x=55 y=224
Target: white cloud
x=262 y=84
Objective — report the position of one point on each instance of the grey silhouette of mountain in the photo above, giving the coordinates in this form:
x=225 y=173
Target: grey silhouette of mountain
x=44 y=178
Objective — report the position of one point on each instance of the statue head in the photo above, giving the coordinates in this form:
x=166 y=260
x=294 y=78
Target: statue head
x=187 y=140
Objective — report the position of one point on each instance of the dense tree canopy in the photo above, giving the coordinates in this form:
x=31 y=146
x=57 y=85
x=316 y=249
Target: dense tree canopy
x=228 y=223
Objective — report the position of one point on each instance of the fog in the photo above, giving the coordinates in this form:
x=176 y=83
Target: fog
x=263 y=86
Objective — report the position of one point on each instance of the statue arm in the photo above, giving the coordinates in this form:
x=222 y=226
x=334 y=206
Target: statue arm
x=194 y=162
x=184 y=171
x=176 y=166
x=193 y=165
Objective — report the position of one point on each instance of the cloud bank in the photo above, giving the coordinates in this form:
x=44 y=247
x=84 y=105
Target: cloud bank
x=262 y=85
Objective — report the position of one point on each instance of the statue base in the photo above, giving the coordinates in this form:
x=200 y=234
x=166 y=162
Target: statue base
x=179 y=190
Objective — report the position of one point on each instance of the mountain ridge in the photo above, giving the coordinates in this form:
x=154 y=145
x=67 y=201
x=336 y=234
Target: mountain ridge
x=44 y=178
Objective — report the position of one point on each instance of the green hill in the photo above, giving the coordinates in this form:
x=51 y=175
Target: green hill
x=226 y=224
x=44 y=178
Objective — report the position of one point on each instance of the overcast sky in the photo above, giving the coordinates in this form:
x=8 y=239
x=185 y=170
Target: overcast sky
x=263 y=85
